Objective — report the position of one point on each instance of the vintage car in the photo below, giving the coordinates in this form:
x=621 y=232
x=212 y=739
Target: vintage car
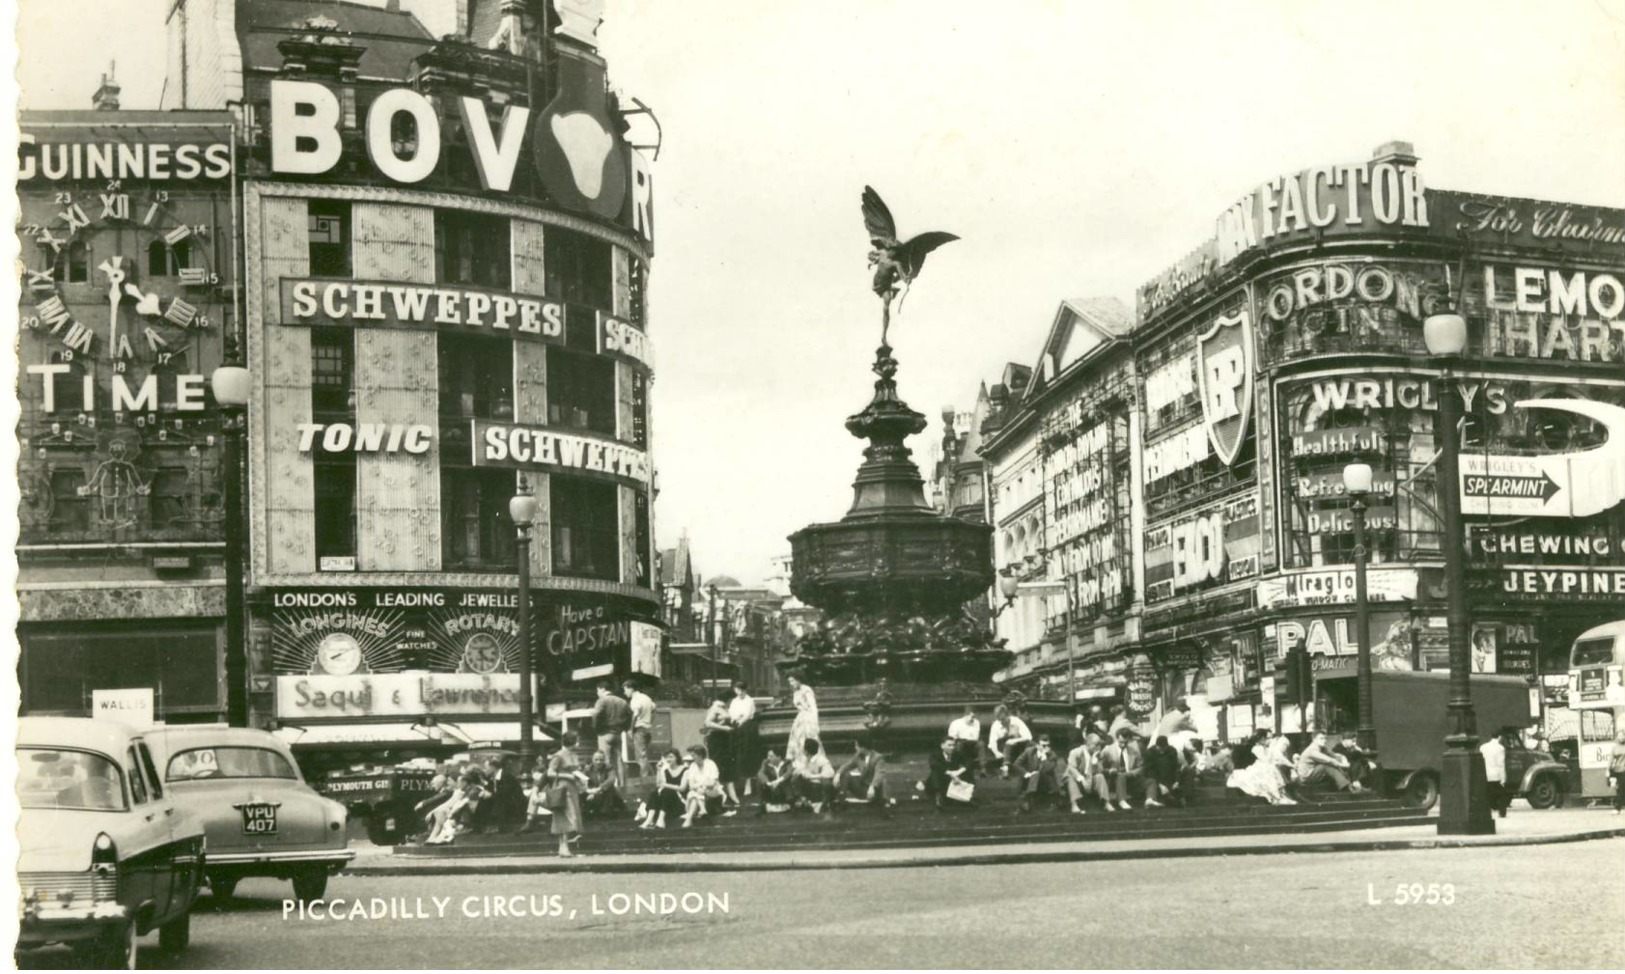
x=107 y=855
x=261 y=817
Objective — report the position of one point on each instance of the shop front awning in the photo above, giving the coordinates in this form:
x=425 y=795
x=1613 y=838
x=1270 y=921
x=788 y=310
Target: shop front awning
x=319 y=735
x=444 y=732
x=488 y=731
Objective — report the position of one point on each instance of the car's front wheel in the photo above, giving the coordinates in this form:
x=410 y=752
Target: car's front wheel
x=1422 y=791
x=310 y=885
x=176 y=934
x=114 y=950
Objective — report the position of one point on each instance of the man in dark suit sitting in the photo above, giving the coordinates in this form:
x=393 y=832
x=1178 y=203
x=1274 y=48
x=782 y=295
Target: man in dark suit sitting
x=1124 y=768
x=1039 y=771
x=949 y=763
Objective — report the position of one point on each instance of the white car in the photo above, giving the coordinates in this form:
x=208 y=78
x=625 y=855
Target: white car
x=106 y=854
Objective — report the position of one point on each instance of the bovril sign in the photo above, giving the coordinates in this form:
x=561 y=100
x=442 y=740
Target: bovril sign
x=577 y=149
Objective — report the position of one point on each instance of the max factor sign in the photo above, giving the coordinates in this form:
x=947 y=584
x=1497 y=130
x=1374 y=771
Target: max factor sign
x=539 y=448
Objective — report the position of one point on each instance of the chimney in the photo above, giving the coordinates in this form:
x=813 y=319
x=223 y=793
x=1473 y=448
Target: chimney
x=1399 y=153
x=106 y=97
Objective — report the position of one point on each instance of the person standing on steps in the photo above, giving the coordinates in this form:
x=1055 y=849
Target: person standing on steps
x=805 y=727
x=565 y=780
x=611 y=717
x=742 y=714
x=718 y=733
x=643 y=722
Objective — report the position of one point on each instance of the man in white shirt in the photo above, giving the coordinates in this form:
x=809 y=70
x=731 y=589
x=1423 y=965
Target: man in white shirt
x=815 y=779
x=643 y=722
x=1495 y=773
x=1008 y=737
x=966 y=733
x=1317 y=762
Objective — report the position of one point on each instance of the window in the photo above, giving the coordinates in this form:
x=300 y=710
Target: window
x=638 y=286
x=585 y=516
x=472 y=248
x=335 y=507
x=581 y=391
x=72 y=264
x=475 y=526
x=228 y=762
x=48 y=778
x=138 y=784
x=640 y=516
x=62 y=665
x=329 y=237
x=167 y=498
x=579 y=268
x=166 y=260
x=476 y=377
x=640 y=410
x=332 y=372
x=69 y=511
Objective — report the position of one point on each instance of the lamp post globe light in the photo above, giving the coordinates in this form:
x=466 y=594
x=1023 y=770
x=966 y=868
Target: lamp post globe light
x=230 y=384
x=1463 y=798
x=1357 y=481
x=522 y=509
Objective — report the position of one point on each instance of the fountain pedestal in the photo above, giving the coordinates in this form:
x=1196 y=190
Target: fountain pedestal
x=897 y=655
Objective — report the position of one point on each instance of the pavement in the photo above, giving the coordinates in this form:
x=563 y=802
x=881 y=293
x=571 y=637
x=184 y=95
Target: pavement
x=1556 y=906
x=1522 y=827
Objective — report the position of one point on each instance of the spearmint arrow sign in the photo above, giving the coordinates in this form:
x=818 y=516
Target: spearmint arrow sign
x=1574 y=484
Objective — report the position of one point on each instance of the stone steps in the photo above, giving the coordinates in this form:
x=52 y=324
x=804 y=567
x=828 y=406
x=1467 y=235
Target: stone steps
x=917 y=824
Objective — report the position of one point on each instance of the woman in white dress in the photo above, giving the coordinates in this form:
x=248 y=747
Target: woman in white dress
x=1262 y=778
x=805 y=726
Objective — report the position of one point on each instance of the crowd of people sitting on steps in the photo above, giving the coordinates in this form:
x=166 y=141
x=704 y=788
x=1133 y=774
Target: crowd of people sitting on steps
x=1106 y=764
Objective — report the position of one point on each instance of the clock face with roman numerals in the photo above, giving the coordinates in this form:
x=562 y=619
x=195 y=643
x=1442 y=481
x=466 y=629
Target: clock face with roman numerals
x=121 y=275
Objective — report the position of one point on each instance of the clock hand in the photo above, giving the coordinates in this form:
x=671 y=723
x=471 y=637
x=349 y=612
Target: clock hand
x=115 y=294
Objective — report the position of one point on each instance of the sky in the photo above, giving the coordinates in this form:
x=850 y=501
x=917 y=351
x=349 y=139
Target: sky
x=1076 y=148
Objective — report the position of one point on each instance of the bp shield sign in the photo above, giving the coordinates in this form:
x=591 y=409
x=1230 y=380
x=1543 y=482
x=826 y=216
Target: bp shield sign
x=1224 y=371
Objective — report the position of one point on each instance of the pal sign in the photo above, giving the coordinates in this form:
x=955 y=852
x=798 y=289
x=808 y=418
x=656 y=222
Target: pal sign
x=132 y=707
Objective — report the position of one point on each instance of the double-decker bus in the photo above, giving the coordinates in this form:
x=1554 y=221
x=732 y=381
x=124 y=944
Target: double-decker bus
x=1597 y=697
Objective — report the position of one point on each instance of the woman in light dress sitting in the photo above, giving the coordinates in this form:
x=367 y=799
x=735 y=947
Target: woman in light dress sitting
x=1266 y=777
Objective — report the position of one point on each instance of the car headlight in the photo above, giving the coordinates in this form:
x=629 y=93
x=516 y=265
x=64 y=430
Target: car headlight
x=104 y=852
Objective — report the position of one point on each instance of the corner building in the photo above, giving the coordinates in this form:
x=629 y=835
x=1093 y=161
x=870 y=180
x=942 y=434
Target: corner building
x=1290 y=344
x=446 y=247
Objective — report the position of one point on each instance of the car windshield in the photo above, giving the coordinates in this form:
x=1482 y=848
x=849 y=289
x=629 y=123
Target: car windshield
x=1591 y=652
x=48 y=778
x=228 y=762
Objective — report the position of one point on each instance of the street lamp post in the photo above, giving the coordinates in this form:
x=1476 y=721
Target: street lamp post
x=711 y=631
x=522 y=509
x=1463 y=798
x=230 y=384
x=1357 y=481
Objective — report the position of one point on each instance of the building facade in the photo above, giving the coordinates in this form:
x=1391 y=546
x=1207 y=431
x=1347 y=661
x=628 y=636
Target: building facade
x=1290 y=344
x=127 y=231
x=446 y=249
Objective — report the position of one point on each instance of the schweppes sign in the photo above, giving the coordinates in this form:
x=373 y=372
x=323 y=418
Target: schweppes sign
x=573 y=143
